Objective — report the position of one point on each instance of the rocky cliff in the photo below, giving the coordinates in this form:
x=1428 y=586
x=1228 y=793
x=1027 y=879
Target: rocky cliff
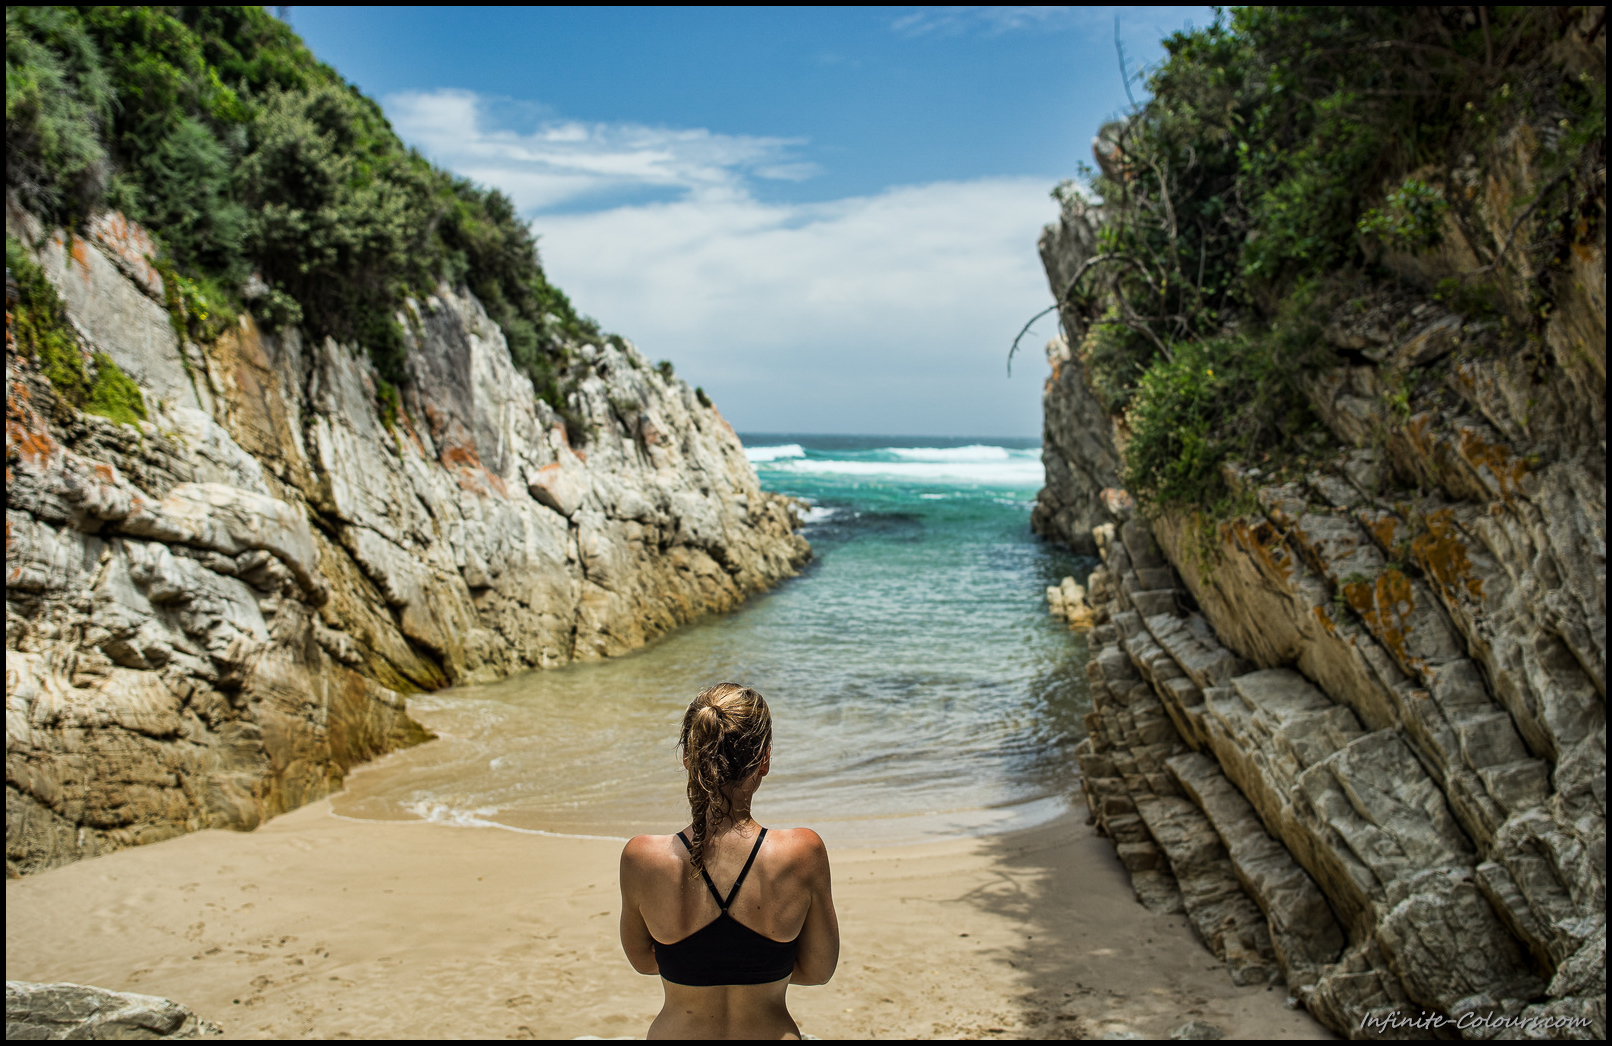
x=1355 y=728
x=212 y=614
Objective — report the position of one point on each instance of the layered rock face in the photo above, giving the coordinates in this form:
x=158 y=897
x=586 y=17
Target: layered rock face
x=213 y=615
x=1077 y=443
x=1358 y=736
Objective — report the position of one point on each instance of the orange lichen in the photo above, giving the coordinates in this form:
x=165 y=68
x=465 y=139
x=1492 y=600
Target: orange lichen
x=1443 y=555
x=1266 y=544
x=1382 y=529
x=27 y=436
x=465 y=463
x=1507 y=469
x=1385 y=606
x=459 y=454
x=433 y=418
x=1325 y=618
x=80 y=252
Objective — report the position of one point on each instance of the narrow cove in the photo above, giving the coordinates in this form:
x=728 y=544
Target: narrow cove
x=921 y=689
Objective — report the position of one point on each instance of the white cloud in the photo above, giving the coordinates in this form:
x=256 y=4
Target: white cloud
x=954 y=21
x=888 y=313
x=566 y=161
x=993 y=21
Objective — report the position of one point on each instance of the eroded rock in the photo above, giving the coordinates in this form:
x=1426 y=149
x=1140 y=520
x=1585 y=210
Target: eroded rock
x=79 y=1011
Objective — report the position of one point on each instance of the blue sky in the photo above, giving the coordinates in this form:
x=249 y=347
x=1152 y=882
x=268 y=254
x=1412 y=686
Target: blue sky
x=827 y=218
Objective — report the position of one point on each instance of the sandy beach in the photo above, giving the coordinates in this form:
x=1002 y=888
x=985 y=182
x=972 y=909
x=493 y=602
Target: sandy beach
x=319 y=926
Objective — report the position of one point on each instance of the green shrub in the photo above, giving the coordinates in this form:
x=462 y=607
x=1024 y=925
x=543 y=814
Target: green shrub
x=1273 y=151
x=39 y=325
x=58 y=102
x=1218 y=399
x=1411 y=218
x=113 y=395
x=219 y=131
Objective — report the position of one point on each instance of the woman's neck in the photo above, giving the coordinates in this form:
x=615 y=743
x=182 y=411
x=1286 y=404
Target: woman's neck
x=737 y=819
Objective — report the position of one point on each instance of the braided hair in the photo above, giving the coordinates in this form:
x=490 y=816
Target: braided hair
x=727 y=732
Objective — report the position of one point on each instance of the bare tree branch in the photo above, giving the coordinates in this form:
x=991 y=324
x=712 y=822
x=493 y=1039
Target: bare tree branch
x=1085 y=267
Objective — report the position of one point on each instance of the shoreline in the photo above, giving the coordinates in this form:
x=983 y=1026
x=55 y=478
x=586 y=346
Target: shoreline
x=316 y=925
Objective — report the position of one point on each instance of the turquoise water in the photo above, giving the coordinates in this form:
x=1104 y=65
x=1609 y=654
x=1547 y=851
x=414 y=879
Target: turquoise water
x=919 y=687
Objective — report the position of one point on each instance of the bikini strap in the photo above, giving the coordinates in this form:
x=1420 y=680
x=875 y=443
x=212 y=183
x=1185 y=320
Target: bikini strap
x=709 y=885
x=740 y=881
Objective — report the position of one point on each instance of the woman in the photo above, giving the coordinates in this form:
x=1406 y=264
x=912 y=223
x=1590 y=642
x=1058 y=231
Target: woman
x=729 y=913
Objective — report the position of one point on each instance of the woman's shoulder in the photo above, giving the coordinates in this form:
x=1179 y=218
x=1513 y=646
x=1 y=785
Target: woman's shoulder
x=647 y=851
x=797 y=846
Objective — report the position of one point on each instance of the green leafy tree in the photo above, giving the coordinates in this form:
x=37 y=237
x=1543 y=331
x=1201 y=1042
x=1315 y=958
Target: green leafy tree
x=219 y=131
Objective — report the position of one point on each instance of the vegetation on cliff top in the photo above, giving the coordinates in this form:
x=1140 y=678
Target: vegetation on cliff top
x=1283 y=150
x=219 y=131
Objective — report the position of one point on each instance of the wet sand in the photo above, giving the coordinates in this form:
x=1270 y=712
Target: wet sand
x=318 y=926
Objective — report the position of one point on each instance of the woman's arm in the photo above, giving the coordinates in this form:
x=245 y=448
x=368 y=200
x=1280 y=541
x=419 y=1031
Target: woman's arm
x=819 y=949
x=636 y=939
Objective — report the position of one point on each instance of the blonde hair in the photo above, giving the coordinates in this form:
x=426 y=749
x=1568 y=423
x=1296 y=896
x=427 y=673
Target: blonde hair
x=727 y=732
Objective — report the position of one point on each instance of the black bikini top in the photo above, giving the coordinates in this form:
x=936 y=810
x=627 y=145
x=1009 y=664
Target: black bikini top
x=724 y=950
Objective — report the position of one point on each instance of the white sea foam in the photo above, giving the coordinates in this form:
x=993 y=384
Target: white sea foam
x=977 y=452
x=788 y=450
x=818 y=514
x=1010 y=473
x=440 y=813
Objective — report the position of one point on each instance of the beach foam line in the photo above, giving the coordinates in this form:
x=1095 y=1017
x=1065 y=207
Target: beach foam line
x=787 y=450
x=440 y=814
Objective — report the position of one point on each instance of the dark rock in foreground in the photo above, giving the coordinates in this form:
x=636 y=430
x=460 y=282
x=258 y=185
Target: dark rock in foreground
x=79 y=1011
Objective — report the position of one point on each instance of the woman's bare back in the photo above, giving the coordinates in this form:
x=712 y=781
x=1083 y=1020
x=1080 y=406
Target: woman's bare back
x=785 y=896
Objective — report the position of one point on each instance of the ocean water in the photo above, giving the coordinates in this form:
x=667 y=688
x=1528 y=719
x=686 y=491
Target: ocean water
x=919 y=687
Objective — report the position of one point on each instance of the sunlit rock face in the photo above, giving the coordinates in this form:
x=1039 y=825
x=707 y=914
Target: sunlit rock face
x=1358 y=735
x=211 y=616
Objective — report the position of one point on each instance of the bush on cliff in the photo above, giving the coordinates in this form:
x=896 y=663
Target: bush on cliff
x=1268 y=170
x=219 y=131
